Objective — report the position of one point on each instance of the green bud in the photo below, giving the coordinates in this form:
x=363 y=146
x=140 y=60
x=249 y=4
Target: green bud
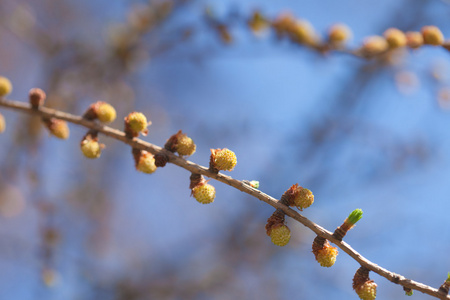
x=355 y=216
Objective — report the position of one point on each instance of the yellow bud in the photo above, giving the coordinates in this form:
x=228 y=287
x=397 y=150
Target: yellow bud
x=204 y=193
x=339 y=33
x=374 y=45
x=223 y=159
x=91 y=148
x=185 y=145
x=395 y=38
x=106 y=113
x=432 y=35
x=5 y=86
x=136 y=122
x=146 y=163
x=57 y=128
x=280 y=235
x=367 y=291
x=326 y=256
x=303 y=33
x=303 y=199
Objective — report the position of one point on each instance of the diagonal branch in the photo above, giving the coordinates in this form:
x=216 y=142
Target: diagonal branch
x=240 y=185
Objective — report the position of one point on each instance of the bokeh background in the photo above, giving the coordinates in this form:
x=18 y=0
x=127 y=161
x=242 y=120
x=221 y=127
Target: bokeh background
x=369 y=134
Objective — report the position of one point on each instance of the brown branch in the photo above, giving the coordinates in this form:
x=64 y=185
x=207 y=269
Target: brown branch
x=240 y=185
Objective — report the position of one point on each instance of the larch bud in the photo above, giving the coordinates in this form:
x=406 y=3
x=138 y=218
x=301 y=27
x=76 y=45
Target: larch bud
x=395 y=38
x=5 y=86
x=36 y=97
x=374 y=45
x=222 y=159
x=363 y=286
x=432 y=35
x=90 y=146
x=303 y=33
x=325 y=253
x=414 y=39
x=204 y=193
x=145 y=162
x=280 y=235
x=339 y=33
x=106 y=112
x=57 y=128
x=136 y=123
x=298 y=196
x=348 y=224
x=2 y=123
x=180 y=143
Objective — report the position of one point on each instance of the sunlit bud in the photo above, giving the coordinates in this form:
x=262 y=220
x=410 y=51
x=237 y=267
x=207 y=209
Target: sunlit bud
x=102 y=111
x=144 y=161
x=395 y=38
x=5 y=86
x=303 y=33
x=374 y=45
x=280 y=235
x=408 y=291
x=222 y=159
x=136 y=123
x=325 y=253
x=363 y=286
x=414 y=39
x=339 y=33
x=180 y=143
x=36 y=97
x=57 y=127
x=432 y=35
x=90 y=147
x=348 y=224
x=204 y=193
x=257 y=22
x=298 y=196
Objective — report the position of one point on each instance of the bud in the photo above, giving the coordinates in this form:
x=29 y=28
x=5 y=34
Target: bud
x=325 y=253
x=2 y=123
x=180 y=143
x=57 y=127
x=254 y=183
x=408 y=291
x=374 y=45
x=283 y=24
x=136 y=122
x=90 y=146
x=222 y=159
x=395 y=38
x=102 y=111
x=414 y=39
x=303 y=33
x=5 y=86
x=348 y=224
x=204 y=193
x=280 y=235
x=444 y=288
x=144 y=161
x=432 y=35
x=36 y=97
x=339 y=33
x=257 y=22
x=275 y=228
x=298 y=196
x=363 y=286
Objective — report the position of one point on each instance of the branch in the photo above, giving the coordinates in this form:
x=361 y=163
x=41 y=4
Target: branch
x=240 y=185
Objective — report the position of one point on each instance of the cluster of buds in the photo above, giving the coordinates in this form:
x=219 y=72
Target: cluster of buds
x=325 y=253
x=144 y=161
x=298 y=196
x=363 y=286
x=348 y=224
x=180 y=143
x=202 y=191
x=222 y=159
x=90 y=147
x=136 y=123
x=277 y=230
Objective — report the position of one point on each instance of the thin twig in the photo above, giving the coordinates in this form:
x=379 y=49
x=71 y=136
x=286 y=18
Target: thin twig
x=240 y=185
